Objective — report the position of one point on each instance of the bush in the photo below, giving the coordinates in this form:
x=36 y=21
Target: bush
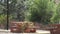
x=42 y=11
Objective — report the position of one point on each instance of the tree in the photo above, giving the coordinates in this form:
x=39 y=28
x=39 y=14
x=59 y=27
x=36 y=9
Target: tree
x=56 y=18
x=42 y=11
x=16 y=9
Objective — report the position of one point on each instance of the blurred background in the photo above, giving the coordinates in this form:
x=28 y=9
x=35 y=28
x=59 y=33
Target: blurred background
x=39 y=11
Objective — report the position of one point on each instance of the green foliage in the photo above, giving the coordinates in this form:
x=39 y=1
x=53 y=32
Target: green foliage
x=56 y=16
x=3 y=19
x=16 y=9
x=43 y=11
